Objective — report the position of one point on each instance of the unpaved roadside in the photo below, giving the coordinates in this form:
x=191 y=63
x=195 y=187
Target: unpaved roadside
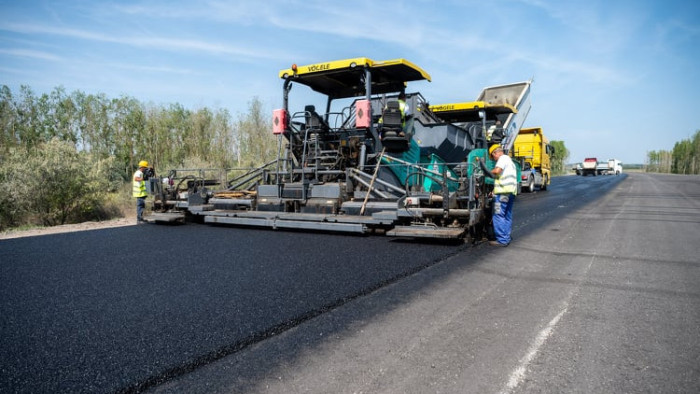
x=65 y=228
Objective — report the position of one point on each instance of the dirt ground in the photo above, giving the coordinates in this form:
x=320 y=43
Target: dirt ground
x=68 y=228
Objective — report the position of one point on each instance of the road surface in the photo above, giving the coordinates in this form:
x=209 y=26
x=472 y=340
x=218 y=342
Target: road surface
x=599 y=292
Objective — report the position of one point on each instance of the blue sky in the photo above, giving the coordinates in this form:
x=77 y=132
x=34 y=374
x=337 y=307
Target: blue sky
x=611 y=78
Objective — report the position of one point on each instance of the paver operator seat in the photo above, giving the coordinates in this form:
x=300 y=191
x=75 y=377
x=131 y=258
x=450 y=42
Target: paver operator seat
x=313 y=120
x=391 y=128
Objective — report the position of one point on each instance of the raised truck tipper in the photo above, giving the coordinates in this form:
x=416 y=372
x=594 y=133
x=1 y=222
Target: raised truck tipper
x=533 y=151
x=356 y=166
x=504 y=105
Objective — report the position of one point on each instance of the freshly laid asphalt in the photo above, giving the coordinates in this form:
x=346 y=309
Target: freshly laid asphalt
x=216 y=309
x=126 y=308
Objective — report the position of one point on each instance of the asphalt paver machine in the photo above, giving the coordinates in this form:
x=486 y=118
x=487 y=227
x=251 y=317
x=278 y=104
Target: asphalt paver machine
x=351 y=164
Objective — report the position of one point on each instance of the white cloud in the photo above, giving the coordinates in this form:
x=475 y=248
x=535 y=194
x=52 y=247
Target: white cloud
x=31 y=54
x=239 y=12
x=174 y=44
x=149 y=69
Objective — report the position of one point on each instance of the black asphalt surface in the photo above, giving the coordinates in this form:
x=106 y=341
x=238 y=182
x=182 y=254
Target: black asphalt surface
x=216 y=309
x=126 y=308
x=598 y=293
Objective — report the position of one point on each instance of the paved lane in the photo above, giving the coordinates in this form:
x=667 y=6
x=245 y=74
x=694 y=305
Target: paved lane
x=599 y=293
x=124 y=308
x=602 y=268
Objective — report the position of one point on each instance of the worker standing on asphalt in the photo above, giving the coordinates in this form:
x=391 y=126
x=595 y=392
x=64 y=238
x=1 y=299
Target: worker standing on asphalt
x=139 y=190
x=504 y=190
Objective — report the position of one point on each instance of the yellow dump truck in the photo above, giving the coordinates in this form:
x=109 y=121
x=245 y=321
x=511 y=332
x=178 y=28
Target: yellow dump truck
x=532 y=149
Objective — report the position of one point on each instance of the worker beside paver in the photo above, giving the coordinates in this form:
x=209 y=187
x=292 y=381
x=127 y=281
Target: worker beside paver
x=504 y=189
x=139 y=190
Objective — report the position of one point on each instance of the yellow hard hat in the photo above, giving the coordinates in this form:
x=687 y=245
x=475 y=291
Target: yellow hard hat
x=143 y=163
x=493 y=148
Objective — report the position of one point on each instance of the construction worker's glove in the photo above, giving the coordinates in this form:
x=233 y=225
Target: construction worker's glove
x=149 y=173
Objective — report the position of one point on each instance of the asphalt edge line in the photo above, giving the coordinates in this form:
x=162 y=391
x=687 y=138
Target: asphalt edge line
x=518 y=374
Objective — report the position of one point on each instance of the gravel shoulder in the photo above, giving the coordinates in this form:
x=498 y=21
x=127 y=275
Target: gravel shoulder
x=65 y=228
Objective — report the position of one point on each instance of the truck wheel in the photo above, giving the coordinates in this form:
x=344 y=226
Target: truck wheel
x=544 y=183
x=530 y=184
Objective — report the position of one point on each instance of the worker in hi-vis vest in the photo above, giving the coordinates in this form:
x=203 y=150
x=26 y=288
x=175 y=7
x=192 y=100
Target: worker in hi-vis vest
x=139 y=190
x=405 y=110
x=505 y=185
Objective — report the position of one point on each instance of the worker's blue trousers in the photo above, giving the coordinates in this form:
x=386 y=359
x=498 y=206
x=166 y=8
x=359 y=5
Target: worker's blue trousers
x=503 y=217
x=140 y=206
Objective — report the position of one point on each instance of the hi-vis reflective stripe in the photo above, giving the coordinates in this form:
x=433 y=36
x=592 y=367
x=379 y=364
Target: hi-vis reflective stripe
x=507 y=182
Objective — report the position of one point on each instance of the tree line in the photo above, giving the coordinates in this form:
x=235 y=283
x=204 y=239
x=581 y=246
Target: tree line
x=130 y=131
x=69 y=157
x=61 y=153
x=683 y=159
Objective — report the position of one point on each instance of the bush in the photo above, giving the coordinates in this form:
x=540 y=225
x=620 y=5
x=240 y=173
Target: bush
x=12 y=207
x=52 y=184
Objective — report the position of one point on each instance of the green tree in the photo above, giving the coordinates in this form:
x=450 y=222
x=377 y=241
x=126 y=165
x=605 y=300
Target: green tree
x=202 y=133
x=685 y=156
x=223 y=140
x=159 y=137
x=559 y=157
x=695 y=165
x=651 y=161
x=682 y=157
x=13 y=203
x=176 y=123
x=659 y=161
x=46 y=137
x=254 y=134
x=57 y=116
x=131 y=140
x=94 y=129
x=8 y=119
x=27 y=122
x=54 y=185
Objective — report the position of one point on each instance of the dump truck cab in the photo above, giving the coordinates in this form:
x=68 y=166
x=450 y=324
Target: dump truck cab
x=533 y=150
